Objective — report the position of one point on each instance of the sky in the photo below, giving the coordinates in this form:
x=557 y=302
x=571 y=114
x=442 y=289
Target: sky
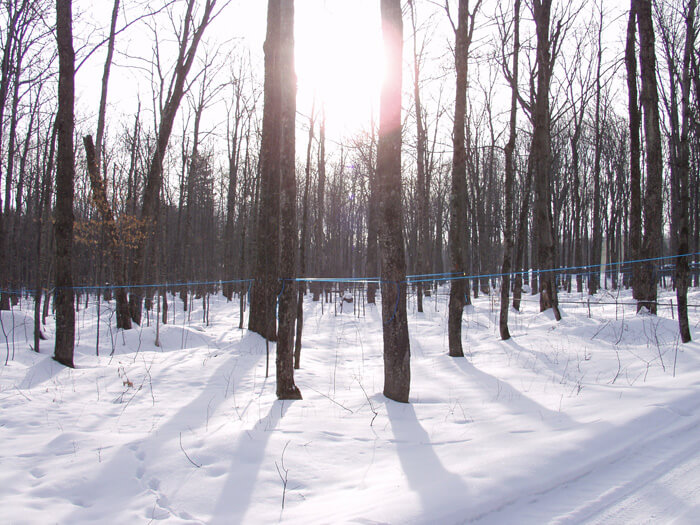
x=339 y=59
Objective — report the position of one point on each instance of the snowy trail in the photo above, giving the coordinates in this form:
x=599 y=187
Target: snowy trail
x=649 y=480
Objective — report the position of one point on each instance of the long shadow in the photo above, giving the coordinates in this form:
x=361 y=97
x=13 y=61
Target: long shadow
x=41 y=372
x=511 y=397
x=127 y=459
x=438 y=488
x=194 y=414
x=541 y=357
x=246 y=461
x=608 y=463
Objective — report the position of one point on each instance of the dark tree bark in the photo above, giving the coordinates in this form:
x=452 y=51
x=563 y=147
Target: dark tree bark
x=683 y=157
x=372 y=226
x=43 y=214
x=302 y=243
x=286 y=389
x=540 y=157
x=635 y=205
x=247 y=183
x=397 y=352
x=422 y=187
x=509 y=179
x=458 y=194
x=596 y=246
x=65 y=175
x=653 y=205
x=319 y=236
x=521 y=240
x=266 y=286
x=6 y=70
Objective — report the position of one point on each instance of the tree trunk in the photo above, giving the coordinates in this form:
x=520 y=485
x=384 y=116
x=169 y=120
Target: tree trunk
x=596 y=248
x=319 y=237
x=372 y=268
x=653 y=205
x=422 y=187
x=105 y=84
x=233 y=144
x=65 y=174
x=509 y=176
x=266 y=286
x=458 y=193
x=286 y=389
x=302 y=243
x=682 y=266
x=635 y=206
x=397 y=353
x=521 y=240
x=540 y=157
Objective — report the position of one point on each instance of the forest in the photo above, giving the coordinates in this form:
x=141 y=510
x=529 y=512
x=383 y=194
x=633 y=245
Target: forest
x=527 y=147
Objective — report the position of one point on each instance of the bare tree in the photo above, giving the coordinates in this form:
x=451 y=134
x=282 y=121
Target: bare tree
x=596 y=248
x=23 y=40
x=540 y=153
x=679 y=150
x=682 y=272
x=397 y=352
x=458 y=195
x=319 y=233
x=509 y=177
x=303 y=240
x=286 y=389
x=65 y=174
x=238 y=122
x=653 y=204
x=99 y=191
x=372 y=219
x=266 y=286
x=189 y=38
x=422 y=181
x=635 y=205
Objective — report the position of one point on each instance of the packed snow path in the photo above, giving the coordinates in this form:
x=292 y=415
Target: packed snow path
x=587 y=420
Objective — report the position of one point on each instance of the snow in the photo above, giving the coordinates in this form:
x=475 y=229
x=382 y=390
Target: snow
x=592 y=419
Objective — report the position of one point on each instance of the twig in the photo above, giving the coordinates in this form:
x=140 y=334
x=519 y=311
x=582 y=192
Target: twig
x=332 y=400
x=656 y=342
x=283 y=478
x=2 y=325
x=600 y=330
x=619 y=366
x=371 y=406
x=675 y=356
x=22 y=393
x=188 y=457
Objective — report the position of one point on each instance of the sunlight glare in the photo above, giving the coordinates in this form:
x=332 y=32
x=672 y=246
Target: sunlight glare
x=339 y=59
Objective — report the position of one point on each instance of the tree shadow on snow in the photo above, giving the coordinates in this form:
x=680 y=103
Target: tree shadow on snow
x=502 y=392
x=427 y=476
x=246 y=461
x=127 y=459
x=39 y=373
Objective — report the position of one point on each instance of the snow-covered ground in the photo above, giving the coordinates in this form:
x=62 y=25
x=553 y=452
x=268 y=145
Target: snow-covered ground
x=592 y=419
